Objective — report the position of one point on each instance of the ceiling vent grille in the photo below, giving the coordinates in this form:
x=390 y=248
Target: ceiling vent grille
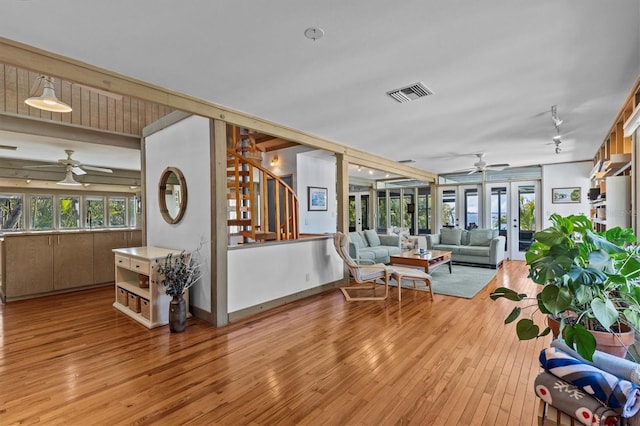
x=410 y=93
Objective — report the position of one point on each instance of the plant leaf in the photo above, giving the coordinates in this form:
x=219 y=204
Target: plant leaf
x=581 y=339
x=555 y=299
x=513 y=315
x=527 y=329
x=507 y=293
x=605 y=312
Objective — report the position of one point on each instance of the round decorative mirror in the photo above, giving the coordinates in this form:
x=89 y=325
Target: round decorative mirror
x=172 y=195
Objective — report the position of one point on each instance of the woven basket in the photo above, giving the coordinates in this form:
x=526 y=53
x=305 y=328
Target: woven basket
x=134 y=302
x=145 y=308
x=143 y=281
x=122 y=296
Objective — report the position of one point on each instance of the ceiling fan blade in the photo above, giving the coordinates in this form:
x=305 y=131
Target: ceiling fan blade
x=499 y=165
x=473 y=171
x=97 y=169
x=78 y=171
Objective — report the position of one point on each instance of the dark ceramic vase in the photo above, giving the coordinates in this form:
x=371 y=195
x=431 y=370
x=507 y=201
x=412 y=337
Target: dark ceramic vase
x=177 y=314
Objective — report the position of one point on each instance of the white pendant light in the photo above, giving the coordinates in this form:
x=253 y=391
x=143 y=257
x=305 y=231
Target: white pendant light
x=48 y=100
x=68 y=179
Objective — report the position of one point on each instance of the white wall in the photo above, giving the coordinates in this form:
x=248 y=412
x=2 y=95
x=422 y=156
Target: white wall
x=565 y=175
x=261 y=273
x=184 y=145
x=319 y=171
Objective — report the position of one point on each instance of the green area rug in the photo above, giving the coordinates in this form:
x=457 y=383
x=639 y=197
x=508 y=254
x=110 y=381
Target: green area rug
x=465 y=281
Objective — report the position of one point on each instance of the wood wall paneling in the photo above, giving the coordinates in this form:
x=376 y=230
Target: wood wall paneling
x=91 y=108
x=73 y=260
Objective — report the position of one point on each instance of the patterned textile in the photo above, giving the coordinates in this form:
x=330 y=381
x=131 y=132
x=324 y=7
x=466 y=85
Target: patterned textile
x=615 y=365
x=572 y=401
x=620 y=395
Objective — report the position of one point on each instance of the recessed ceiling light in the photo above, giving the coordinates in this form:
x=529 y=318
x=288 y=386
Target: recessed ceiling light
x=314 y=33
x=370 y=172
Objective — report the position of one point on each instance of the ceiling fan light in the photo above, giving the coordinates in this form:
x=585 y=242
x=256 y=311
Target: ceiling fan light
x=69 y=180
x=48 y=100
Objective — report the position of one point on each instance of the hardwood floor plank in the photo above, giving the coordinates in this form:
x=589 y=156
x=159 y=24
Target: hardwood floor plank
x=73 y=359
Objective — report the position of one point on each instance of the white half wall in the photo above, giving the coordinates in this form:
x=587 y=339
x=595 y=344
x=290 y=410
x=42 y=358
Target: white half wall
x=184 y=145
x=261 y=273
x=565 y=175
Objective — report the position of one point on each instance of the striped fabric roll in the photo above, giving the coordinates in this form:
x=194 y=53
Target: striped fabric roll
x=618 y=394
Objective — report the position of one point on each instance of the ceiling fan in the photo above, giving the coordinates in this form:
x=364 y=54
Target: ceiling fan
x=481 y=166
x=72 y=167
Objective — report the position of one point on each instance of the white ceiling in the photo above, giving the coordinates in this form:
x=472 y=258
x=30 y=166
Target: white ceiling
x=496 y=66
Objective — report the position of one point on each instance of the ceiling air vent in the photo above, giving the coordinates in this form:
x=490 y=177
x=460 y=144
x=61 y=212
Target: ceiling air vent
x=410 y=93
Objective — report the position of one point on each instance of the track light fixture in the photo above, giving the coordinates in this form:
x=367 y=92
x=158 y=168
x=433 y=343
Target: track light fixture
x=554 y=117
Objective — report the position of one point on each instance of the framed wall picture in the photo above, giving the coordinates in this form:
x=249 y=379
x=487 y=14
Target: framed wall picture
x=566 y=195
x=317 y=198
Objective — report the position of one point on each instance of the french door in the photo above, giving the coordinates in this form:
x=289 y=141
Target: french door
x=513 y=209
x=460 y=206
x=359 y=208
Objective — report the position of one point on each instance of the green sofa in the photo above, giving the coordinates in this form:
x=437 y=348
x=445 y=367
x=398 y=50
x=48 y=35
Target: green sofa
x=371 y=246
x=477 y=246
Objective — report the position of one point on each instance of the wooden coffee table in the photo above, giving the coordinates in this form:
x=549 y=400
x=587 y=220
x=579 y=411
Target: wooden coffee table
x=411 y=258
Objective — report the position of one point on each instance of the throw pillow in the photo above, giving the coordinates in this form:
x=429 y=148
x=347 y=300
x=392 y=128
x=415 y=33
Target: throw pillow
x=450 y=236
x=372 y=237
x=356 y=239
x=480 y=237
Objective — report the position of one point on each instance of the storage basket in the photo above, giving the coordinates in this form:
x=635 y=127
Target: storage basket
x=145 y=309
x=143 y=281
x=122 y=296
x=134 y=302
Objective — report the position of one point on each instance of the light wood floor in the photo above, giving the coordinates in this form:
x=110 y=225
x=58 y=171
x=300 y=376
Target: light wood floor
x=74 y=360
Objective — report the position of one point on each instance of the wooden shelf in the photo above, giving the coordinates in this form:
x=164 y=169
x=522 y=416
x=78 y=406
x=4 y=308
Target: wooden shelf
x=133 y=287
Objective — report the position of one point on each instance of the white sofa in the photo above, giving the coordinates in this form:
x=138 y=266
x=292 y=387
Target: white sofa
x=477 y=246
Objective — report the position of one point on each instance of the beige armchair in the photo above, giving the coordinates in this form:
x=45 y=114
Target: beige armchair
x=367 y=274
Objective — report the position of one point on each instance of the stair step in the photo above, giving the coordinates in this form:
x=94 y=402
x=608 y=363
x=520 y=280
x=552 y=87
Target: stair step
x=239 y=222
x=232 y=184
x=260 y=236
x=232 y=196
x=240 y=173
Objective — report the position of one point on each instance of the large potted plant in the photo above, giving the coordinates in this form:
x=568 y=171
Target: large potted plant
x=589 y=284
x=177 y=274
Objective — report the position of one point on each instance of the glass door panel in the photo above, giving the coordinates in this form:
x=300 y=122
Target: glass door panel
x=409 y=210
x=382 y=212
x=394 y=208
x=352 y=213
x=364 y=211
x=471 y=211
x=448 y=213
x=424 y=210
x=524 y=217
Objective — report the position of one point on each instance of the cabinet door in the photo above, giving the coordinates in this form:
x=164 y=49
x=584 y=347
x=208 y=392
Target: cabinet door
x=29 y=264
x=134 y=238
x=72 y=260
x=103 y=264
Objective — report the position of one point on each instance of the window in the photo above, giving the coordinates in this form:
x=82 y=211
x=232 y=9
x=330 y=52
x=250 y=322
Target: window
x=11 y=208
x=69 y=212
x=471 y=218
x=135 y=211
x=424 y=210
x=448 y=207
x=41 y=212
x=394 y=208
x=117 y=212
x=94 y=211
x=382 y=212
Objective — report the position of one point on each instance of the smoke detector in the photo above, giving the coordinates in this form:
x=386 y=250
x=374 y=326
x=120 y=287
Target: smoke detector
x=410 y=92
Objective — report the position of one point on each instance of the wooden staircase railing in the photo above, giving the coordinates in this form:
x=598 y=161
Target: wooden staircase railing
x=253 y=220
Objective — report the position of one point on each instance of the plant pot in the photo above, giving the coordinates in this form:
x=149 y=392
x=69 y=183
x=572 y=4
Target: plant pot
x=611 y=343
x=177 y=314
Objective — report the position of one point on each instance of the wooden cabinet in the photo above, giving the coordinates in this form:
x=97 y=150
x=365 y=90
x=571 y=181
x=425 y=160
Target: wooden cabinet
x=72 y=260
x=137 y=282
x=103 y=245
x=27 y=265
x=39 y=264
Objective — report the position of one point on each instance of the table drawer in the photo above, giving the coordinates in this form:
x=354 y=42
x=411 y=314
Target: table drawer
x=140 y=266
x=123 y=262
